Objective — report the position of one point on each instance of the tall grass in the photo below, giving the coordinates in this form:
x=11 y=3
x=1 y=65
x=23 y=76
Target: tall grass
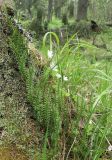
x=73 y=110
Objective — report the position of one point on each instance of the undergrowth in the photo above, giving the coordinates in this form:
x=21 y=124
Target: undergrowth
x=71 y=98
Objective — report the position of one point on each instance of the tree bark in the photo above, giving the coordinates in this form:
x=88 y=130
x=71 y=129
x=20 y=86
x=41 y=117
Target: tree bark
x=82 y=10
x=57 y=8
x=50 y=6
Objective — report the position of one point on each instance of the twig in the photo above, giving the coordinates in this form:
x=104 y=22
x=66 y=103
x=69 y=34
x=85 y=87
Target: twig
x=71 y=148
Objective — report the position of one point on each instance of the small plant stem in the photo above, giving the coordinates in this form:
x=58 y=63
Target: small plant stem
x=71 y=148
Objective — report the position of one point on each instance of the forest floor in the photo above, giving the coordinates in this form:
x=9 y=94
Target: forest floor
x=18 y=136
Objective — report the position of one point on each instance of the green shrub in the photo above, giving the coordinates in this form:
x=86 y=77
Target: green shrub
x=55 y=24
x=82 y=28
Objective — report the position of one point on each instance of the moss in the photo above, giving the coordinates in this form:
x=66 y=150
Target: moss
x=12 y=153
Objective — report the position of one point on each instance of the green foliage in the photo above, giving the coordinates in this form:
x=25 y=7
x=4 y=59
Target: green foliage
x=55 y=24
x=36 y=26
x=74 y=114
x=26 y=23
x=82 y=28
x=37 y=92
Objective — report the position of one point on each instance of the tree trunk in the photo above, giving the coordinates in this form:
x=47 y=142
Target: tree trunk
x=57 y=8
x=1 y=1
x=82 y=10
x=50 y=6
x=75 y=8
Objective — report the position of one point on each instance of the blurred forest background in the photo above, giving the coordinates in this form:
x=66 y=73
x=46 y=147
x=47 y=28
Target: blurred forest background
x=42 y=15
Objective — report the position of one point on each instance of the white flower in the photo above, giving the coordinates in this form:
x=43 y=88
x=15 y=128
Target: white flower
x=53 y=66
x=110 y=148
x=50 y=54
x=65 y=78
x=58 y=75
x=77 y=38
x=90 y=122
